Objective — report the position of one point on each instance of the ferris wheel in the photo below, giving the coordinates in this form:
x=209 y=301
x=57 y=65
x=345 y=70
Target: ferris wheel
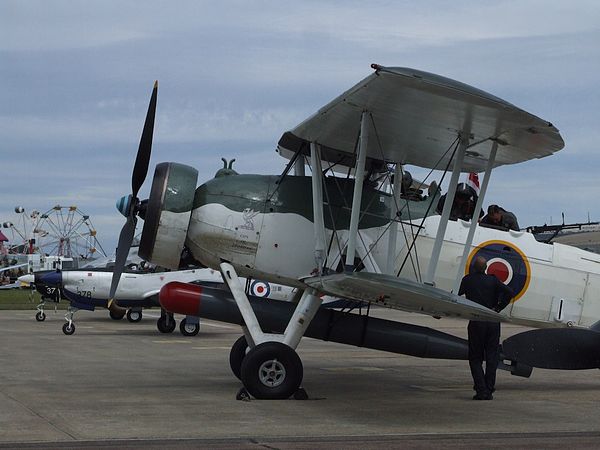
x=22 y=238
x=60 y=231
x=66 y=231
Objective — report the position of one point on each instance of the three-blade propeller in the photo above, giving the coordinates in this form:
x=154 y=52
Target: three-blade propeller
x=140 y=170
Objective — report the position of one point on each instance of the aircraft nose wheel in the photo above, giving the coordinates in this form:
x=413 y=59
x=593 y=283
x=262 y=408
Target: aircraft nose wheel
x=189 y=329
x=40 y=316
x=271 y=371
x=134 y=316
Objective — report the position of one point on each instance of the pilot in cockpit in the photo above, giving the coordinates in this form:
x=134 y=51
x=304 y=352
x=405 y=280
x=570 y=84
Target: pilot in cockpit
x=463 y=207
x=498 y=217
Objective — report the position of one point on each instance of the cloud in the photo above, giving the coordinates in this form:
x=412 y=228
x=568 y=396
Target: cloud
x=235 y=75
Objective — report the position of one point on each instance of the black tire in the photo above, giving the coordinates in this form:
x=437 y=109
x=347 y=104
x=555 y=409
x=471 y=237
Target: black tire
x=115 y=316
x=134 y=316
x=272 y=371
x=68 y=328
x=165 y=327
x=40 y=316
x=237 y=355
x=189 y=329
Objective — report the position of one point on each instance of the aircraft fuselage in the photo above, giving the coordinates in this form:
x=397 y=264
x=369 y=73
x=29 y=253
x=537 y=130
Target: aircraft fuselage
x=266 y=231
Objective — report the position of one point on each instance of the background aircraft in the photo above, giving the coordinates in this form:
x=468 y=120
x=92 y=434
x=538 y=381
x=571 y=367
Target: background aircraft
x=88 y=288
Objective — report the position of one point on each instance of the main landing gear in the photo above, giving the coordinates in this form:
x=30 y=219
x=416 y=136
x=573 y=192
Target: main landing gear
x=267 y=364
x=134 y=315
x=189 y=326
x=166 y=322
x=114 y=315
x=69 y=327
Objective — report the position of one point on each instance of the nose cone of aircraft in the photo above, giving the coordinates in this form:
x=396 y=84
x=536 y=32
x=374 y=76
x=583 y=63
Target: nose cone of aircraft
x=124 y=204
x=52 y=278
x=26 y=279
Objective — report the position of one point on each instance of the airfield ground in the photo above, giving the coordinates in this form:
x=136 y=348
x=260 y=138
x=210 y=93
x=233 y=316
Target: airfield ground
x=121 y=384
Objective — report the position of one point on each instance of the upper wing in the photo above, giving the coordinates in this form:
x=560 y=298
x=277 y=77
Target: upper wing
x=415 y=117
x=400 y=293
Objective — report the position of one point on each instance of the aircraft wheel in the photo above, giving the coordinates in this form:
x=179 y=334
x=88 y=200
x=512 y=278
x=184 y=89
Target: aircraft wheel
x=189 y=329
x=40 y=316
x=271 y=371
x=68 y=328
x=165 y=327
x=134 y=316
x=237 y=355
x=115 y=315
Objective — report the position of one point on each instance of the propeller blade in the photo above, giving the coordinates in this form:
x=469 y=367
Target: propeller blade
x=125 y=240
x=142 y=160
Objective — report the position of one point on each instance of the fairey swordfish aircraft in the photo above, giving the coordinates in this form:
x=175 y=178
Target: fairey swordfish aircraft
x=359 y=236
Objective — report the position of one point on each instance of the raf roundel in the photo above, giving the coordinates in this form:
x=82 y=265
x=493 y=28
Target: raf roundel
x=505 y=261
x=260 y=288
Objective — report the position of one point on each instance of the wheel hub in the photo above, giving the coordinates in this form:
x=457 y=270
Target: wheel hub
x=271 y=373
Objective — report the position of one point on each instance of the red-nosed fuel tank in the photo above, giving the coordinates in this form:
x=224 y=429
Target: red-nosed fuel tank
x=328 y=324
x=167 y=214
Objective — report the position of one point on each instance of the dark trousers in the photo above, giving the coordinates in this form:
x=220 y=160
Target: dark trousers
x=484 y=345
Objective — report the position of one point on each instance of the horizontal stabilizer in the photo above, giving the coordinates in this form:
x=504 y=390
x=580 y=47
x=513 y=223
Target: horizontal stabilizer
x=400 y=293
x=555 y=348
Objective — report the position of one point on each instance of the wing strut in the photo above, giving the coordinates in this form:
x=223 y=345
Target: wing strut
x=299 y=166
x=474 y=219
x=359 y=176
x=317 y=198
x=391 y=256
x=439 y=238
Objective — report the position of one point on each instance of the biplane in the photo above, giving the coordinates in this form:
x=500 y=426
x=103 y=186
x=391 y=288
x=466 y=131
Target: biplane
x=348 y=230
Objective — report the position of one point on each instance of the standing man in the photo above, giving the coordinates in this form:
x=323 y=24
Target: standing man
x=484 y=337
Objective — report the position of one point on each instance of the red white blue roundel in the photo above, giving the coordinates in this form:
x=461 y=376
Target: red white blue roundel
x=506 y=261
x=260 y=288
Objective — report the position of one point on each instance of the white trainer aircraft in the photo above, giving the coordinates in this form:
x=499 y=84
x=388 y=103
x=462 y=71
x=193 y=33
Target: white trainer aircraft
x=88 y=289
x=345 y=236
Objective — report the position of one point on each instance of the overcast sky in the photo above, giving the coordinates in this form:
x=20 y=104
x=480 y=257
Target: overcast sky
x=75 y=80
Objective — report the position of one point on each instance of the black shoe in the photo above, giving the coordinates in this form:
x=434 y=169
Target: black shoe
x=483 y=397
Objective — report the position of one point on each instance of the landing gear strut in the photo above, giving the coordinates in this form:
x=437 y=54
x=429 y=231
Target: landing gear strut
x=51 y=294
x=69 y=327
x=271 y=369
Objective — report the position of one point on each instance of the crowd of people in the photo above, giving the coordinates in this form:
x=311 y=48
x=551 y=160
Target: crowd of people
x=10 y=275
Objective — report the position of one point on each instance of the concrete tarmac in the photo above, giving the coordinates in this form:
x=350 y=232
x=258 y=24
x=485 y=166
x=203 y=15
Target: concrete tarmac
x=118 y=384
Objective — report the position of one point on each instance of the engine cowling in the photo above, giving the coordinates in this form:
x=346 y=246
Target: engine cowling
x=168 y=213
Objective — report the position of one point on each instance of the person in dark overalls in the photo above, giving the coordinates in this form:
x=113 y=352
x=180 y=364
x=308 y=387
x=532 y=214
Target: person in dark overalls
x=484 y=337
